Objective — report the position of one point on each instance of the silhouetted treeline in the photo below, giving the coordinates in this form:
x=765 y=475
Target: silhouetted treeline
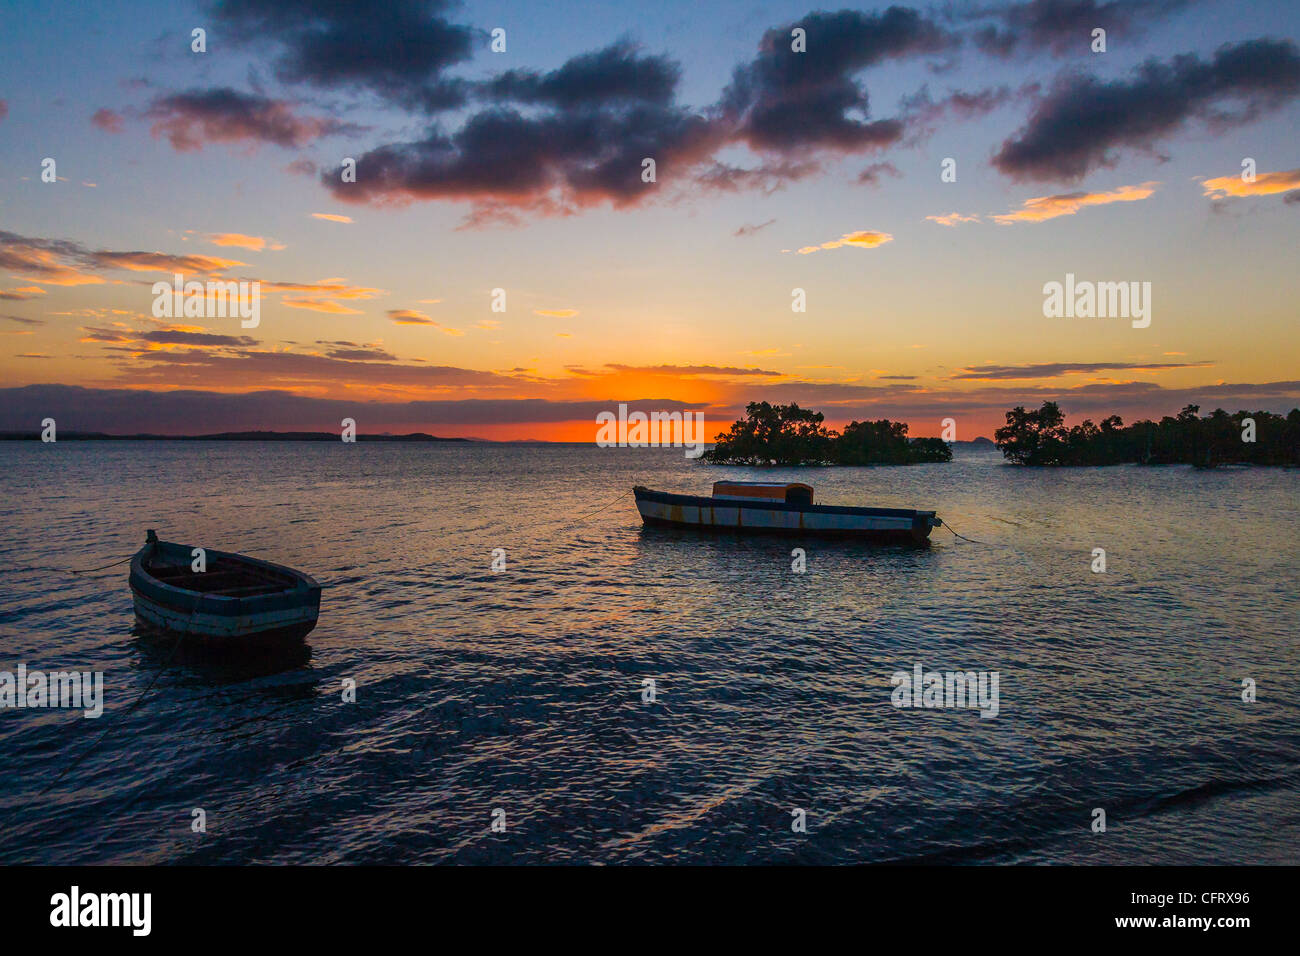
x=790 y=435
x=1256 y=438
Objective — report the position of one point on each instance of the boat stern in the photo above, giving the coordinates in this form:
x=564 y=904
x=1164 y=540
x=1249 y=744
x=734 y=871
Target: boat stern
x=923 y=524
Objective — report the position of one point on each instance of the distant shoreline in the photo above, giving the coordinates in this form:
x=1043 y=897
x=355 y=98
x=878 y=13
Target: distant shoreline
x=228 y=436
x=980 y=442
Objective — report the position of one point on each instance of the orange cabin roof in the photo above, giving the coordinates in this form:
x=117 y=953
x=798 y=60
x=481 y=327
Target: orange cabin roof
x=767 y=490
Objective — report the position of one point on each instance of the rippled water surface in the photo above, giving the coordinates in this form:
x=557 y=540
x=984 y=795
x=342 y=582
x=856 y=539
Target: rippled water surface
x=522 y=689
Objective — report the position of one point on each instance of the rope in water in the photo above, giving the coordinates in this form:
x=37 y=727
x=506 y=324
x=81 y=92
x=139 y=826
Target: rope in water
x=590 y=514
x=962 y=536
x=602 y=507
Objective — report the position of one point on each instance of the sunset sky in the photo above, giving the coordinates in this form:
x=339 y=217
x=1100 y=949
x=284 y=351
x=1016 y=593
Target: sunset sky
x=522 y=171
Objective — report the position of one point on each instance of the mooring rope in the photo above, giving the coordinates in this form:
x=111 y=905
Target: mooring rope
x=962 y=536
x=103 y=567
x=580 y=518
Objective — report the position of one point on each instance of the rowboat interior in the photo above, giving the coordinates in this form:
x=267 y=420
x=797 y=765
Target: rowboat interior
x=223 y=578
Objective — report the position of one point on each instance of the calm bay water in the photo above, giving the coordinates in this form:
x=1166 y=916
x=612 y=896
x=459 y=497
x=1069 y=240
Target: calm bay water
x=521 y=689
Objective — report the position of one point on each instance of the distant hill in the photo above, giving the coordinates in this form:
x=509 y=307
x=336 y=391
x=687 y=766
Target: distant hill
x=224 y=436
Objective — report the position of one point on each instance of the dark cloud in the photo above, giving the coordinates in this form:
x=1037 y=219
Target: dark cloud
x=749 y=230
x=553 y=142
x=1064 y=26
x=550 y=162
x=186 y=411
x=582 y=139
x=785 y=101
x=1057 y=369
x=617 y=73
x=35 y=256
x=4 y=109
x=871 y=175
x=20 y=320
x=397 y=49
x=232 y=367
x=921 y=107
x=223 y=115
x=176 y=337
x=165 y=337
x=767 y=177
x=362 y=355
x=1080 y=124
x=691 y=369
x=98 y=334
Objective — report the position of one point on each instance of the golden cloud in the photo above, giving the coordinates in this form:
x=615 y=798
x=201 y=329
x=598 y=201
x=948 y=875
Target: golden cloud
x=952 y=219
x=862 y=239
x=409 y=317
x=1043 y=208
x=256 y=243
x=320 y=305
x=1265 y=184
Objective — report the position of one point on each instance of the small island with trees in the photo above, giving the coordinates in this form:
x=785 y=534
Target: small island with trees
x=790 y=435
x=787 y=435
x=1246 y=438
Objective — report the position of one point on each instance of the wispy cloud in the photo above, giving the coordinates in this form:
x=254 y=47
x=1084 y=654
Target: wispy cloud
x=409 y=317
x=1043 y=208
x=312 y=304
x=107 y=120
x=22 y=293
x=952 y=219
x=1057 y=369
x=256 y=243
x=863 y=239
x=416 y=317
x=194 y=118
x=1265 y=184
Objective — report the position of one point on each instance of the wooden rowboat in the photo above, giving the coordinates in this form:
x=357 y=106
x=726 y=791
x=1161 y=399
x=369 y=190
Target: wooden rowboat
x=235 y=598
x=762 y=507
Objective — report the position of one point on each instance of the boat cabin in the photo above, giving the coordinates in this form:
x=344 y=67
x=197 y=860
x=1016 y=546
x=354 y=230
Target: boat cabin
x=791 y=492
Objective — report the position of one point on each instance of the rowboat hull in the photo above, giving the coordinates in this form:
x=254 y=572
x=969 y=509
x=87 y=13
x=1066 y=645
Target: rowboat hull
x=287 y=625
x=698 y=513
x=281 y=604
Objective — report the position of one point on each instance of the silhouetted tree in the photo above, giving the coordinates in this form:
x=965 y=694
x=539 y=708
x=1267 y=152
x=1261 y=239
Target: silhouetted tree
x=774 y=434
x=1041 y=438
x=1033 y=438
x=790 y=435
